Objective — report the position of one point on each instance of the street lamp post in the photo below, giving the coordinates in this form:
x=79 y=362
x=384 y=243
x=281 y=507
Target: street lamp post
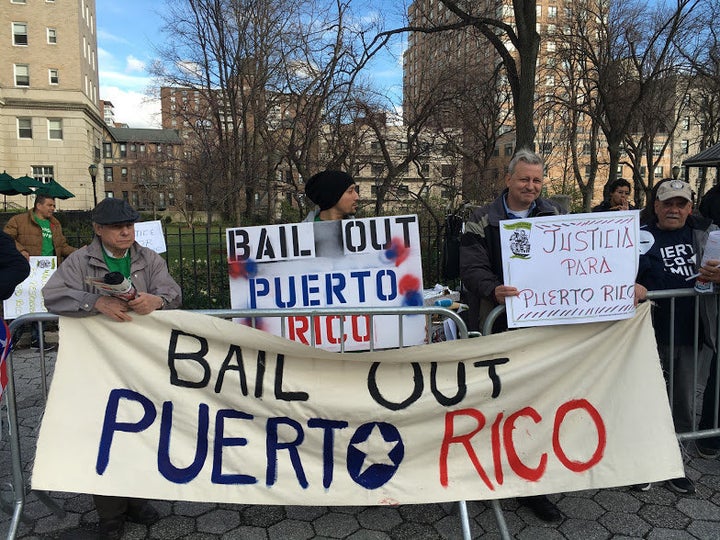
x=92 y=169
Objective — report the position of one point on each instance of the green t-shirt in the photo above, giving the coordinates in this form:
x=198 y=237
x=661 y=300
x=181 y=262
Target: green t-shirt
x=47 y=244
x=121 y=265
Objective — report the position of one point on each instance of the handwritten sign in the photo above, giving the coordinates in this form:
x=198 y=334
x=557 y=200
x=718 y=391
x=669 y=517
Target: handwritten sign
x=373 y=262
x=150 y=235
x=27 y=297
x=570 y=269
x=207 y=410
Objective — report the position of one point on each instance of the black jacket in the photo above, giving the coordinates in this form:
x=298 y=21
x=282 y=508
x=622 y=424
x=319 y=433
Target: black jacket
x=14 y=268
x=481 y=258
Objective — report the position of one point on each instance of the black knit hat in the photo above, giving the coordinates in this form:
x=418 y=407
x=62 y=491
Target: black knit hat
x=325 y=188
x=110 y=211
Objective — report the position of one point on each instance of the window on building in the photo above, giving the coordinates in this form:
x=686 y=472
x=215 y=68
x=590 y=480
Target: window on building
x=161 y=201
x=18 y=1
x=134 y=199
x=447 y=170
x=686 y=123
x=109 y=195
x=685 y=146
x=24 y=128
x=22 y=75
x=125 y=196
x=133 y=147
x=108 y=175
x=20 y=36
x=403 y=190
x=586 y=149
x=425 y=168
x=171 y=199
x=508 y=149
x=54 y=76
x=107 y=150
x=546 y=147
x=375 y=145
x=142 y=148
x=123 y=172
x=51 y=36
x=496 y=151
x=657 y=149
x=550 y=46
x=43 y=173
x=552 y=12
x=55 y=129
x=620 y=170
x=123 y=150
x=587 y=171
x=377 y=169
x=659 y=171
x=550 y=80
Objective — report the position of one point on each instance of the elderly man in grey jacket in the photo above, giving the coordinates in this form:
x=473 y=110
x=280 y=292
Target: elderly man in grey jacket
x=67 y=293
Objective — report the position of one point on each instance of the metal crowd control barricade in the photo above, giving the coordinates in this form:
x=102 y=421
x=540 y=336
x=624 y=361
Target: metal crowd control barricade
x=18 y=486
x=672 y=295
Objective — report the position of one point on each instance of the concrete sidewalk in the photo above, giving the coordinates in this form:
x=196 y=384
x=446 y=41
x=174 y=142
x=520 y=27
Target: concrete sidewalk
x=598 y=514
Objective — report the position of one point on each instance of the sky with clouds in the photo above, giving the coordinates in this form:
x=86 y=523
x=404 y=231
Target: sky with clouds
x=128 y=34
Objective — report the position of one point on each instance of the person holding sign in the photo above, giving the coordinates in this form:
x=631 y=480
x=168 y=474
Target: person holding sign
x=480 y=255
x=672 y=243
x=619 y=197
x=38 y=233
x=335 y=194
x=70 y=291
x=481 y=260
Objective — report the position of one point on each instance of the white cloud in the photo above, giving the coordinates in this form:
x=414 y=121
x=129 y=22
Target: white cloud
x=135 y=109
x=134 y=65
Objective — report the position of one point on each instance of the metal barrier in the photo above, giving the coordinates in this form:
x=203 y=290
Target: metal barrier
x=672 y=295
x=18 y=485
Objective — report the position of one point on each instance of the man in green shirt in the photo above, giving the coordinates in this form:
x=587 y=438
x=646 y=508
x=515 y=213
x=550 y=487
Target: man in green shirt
x=38 y=233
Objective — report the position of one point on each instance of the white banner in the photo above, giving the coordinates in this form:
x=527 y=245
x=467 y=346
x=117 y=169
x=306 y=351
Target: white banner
x=202 y=409
x=373 y=262
x=27 y=297
x=570 y=268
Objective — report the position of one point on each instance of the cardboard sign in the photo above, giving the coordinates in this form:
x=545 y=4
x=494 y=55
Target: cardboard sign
x=150 y=235
x=27 y=297
x=373 y=262
x=570 y=269
x=206 y=410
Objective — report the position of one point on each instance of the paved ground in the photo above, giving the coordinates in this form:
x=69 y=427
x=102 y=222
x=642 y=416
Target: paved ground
x=611 y=513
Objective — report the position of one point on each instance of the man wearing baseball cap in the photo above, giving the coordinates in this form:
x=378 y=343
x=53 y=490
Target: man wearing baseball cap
x=67 y=293
x=672 y=243
x=335 y=194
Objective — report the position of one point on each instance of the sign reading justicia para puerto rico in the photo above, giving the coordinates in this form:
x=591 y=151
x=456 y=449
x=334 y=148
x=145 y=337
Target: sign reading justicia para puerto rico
x=570 y=268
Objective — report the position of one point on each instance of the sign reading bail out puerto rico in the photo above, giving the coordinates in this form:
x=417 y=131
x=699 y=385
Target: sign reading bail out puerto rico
x=355 y=263
x=570 y=268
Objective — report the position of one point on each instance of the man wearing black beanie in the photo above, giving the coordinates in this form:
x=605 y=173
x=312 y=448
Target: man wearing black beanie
x=335 y=194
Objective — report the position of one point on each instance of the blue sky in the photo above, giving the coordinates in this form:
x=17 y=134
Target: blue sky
x=129 y=31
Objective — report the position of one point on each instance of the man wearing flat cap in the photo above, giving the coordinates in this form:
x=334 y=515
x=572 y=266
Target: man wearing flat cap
x=672 y=244
x=335 y=194
x=66 y=293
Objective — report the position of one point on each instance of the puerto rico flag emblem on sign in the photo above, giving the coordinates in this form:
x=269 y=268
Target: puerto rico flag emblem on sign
x=5 y=341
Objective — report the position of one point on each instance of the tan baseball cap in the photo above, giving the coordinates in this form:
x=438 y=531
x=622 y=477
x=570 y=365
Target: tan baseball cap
x=674 y=188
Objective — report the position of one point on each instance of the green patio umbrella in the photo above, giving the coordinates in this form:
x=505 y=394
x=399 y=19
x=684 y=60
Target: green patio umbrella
x=6 y=184
x=6 y=187
x=54 y=189
x=26 y=185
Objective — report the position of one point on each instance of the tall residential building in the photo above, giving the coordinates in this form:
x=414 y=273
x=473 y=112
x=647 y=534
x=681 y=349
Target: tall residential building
x=51 y=126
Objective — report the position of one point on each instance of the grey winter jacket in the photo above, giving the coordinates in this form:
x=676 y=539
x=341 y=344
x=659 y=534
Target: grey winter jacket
x=66 y=292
